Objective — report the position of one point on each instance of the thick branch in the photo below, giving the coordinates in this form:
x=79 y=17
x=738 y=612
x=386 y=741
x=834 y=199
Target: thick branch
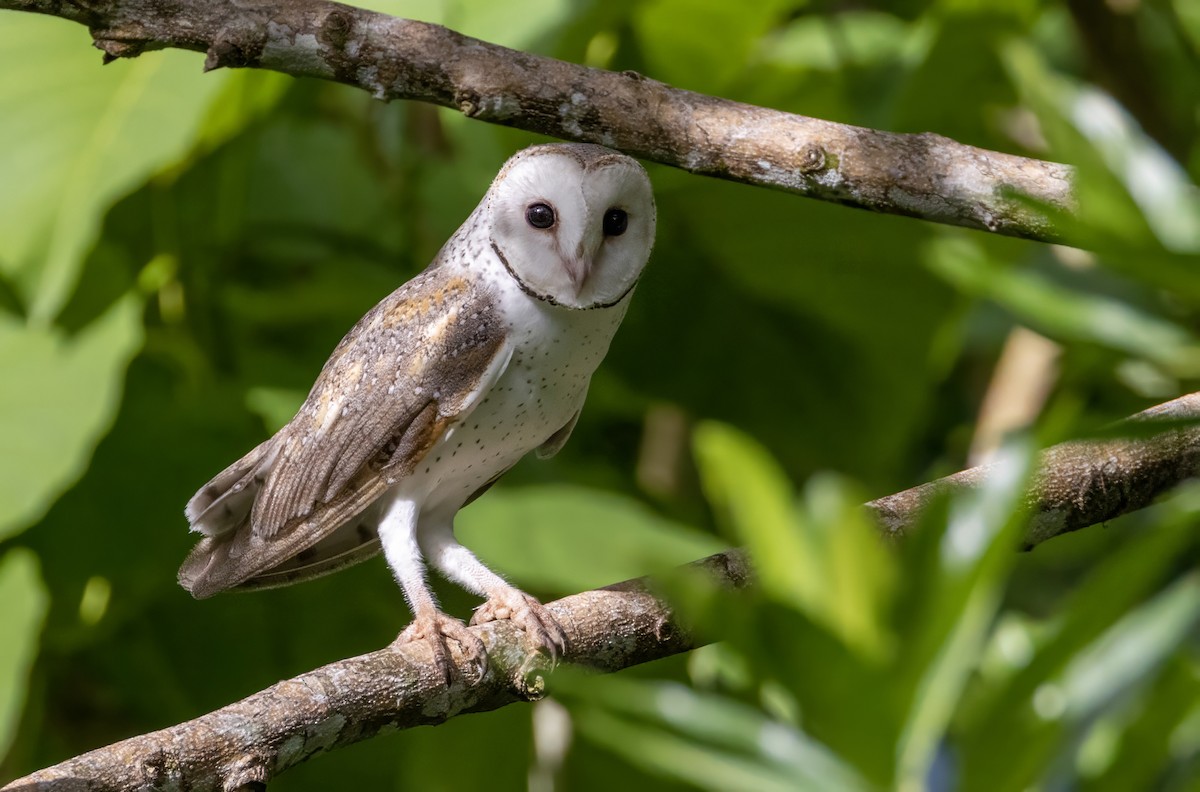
x=398 y=687
x=925 y=175
x=252 y=741
x=1082 y=483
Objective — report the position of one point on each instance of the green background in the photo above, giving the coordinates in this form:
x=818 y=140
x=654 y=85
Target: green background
x=179 y=252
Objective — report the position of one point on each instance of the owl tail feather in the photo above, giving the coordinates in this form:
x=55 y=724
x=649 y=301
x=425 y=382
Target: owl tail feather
x=224 y=503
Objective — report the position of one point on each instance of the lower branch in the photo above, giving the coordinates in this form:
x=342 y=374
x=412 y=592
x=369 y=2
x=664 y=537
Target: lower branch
x=1082 y=482
x=254 y=740
x=248 y=743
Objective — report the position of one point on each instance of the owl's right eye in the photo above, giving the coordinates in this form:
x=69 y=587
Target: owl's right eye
x=539 y=215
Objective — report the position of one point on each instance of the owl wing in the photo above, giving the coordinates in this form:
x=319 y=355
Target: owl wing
x=556 y=441
x=413 y=367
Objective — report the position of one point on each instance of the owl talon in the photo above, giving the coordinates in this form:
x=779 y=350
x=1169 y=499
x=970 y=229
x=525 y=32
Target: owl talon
x=542 y=629
x=436 y=628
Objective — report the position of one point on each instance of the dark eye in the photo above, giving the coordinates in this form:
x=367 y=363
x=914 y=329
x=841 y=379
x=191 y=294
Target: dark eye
x=540 y=215
x=615 y=222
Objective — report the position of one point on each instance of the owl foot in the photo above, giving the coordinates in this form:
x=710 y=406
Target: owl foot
x=436 y=628
x=533 y=617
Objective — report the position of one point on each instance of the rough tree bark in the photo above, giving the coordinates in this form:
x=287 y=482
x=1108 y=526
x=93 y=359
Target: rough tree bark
x=926 y=175
x=1079 y=483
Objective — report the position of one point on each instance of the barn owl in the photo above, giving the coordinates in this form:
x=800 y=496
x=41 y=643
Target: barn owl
x=435 y=393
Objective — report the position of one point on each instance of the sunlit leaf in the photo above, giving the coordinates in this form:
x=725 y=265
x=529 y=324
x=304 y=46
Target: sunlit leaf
x=23 y=604
x=1129 y=651
x=1007 y=737
x=1065 y=313
x=57 y=399
x=749 y=490
x=1099 y=133
x=858 y=572
x=852 y=38
x=75 y=137
x=688 y=55
x=710 y=740
x=568 y=539
x=821 y=555
x=974 y=555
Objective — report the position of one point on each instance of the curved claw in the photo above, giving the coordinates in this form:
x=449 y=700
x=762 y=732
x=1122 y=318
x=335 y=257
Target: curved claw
x=542 y=629
x=436 y=628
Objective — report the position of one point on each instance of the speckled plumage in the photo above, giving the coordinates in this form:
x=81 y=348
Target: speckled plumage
x=436 y=392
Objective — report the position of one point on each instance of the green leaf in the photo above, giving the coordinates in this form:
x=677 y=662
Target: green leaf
x=707 y=739
x=689 y=55
x=1131 y=650
x=752 y=494
x=970 y=563
x=1137 y=206
x=565 y=539
x=23 y=605
x=1147 y=740
x=1063 y=313
x=59 y=398
x=822 y=631
x=1006 y=741
x=823 y=558
x=1090 y=119
x=852 y=38
x=75 y=137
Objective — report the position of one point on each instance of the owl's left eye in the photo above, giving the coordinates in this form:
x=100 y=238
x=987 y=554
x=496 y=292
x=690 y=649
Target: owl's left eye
x=539 y=215
x=615 y=222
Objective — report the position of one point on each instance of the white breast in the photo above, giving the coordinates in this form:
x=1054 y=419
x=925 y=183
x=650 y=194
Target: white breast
x=555 y=352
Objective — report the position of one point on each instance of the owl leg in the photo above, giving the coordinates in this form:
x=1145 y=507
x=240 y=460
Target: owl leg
x=398 y=535
x=504 y=601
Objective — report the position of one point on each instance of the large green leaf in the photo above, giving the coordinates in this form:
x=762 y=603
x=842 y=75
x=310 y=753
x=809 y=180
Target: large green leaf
x=755 y=500
x=74 y=137
x=59 y=396
x=566 y=539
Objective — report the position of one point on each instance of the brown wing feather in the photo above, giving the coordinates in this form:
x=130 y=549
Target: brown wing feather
x=410 y=369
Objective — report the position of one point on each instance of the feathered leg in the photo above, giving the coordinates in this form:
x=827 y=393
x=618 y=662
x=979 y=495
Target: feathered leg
x=398 y=536
x=504 y=601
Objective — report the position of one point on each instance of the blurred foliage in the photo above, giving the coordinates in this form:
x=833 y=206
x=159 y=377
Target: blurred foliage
x=179 y=252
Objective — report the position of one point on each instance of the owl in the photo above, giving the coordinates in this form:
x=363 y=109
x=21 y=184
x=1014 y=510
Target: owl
x=435 y=393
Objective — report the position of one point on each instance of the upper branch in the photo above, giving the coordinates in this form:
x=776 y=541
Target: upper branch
x=926 y=175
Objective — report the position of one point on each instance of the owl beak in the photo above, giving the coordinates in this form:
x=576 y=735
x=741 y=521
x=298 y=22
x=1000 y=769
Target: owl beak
x=578 y=269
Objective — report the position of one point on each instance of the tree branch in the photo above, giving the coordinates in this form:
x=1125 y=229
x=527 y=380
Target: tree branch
x=398 y=687
x=1079 y=483
x=1082 y=483
x=926 y=175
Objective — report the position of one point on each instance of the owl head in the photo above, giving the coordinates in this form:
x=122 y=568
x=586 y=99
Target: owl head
x=572 y=222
